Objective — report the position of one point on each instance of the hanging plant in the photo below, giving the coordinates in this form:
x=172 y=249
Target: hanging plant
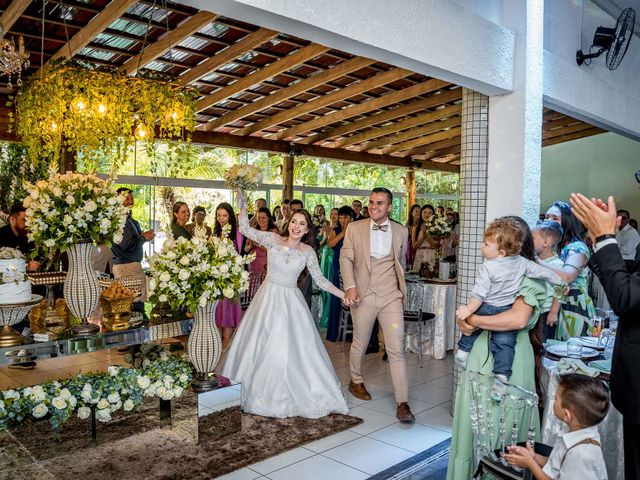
x=79 y=108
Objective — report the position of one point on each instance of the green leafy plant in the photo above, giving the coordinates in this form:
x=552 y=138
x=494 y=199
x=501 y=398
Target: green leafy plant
x=15 y=169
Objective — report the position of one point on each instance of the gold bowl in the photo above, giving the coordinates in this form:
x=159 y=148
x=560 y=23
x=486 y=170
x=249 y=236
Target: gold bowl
x=116 y=312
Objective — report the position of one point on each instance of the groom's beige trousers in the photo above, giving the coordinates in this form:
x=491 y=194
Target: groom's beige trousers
x=382 y=300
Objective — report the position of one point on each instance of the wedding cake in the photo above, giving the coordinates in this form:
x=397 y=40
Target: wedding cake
x=14 y=286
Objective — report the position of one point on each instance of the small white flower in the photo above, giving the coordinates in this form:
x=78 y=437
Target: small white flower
x=37 y=394
x=70 y=200
x=116 y=406
x=113 y=370
x=90 y=206
x=224 y=268
x=113 y=397
x=84 y=413
x=11 y=394
x=73 y=402
x=184 y=274
x=228 y=292
x=49 y=243
x=103 y=416
x=177 y=391
x=163 y=298
x=103 y=403
x=144 y=382
x=184 y=260
x=59 y=403
x=183 y=378
x=39 y=410
x=65 y=393
x=128 y=405
x=165 y=276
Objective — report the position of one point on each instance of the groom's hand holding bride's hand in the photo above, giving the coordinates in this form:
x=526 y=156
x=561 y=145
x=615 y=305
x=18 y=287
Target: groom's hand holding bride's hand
x=351 y=297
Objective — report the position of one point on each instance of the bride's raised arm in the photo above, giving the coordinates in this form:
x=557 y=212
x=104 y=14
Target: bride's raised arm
x=316 y=274
x=266 y=239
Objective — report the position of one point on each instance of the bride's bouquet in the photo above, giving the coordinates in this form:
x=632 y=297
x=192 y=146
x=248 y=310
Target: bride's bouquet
x=437 y=227
x=243 y=177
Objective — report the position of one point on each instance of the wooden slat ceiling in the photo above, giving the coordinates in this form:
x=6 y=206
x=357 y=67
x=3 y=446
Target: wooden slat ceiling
x=265 y=89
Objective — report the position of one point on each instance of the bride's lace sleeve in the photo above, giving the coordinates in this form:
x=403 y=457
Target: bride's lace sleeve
x=266 y=239
x=316 y=274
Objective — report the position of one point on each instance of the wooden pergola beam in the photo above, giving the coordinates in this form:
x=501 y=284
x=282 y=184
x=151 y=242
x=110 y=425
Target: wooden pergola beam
x=328 y=75
x=449 y=142
x=279 y=146
x=12 y=13
x=387 y=115
x=350 y=90
x=265 y=73
x=168 y=41
x=249 y=42
x=440 y=153
x=558 y=132
x=402 y=125
x=573 y=136
x=561 y=122
x=364 y=107
x=416 y=142
x=96 y=25
x=400 y=137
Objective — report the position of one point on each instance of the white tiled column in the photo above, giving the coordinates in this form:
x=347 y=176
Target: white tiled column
x=473 y=200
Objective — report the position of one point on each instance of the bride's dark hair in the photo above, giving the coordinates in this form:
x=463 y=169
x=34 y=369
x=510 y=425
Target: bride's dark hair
x=310 y=237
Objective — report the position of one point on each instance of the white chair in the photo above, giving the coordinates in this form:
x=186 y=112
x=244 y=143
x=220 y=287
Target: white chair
x=497 y=412
x=255 y=280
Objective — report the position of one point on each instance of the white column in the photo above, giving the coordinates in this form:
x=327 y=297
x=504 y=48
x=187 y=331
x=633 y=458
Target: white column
x=515 y=121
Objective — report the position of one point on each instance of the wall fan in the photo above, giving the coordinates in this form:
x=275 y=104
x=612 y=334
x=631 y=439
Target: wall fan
x=615 y=41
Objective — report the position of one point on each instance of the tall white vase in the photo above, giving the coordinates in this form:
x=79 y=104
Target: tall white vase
x=204 y=347
x=81 y=289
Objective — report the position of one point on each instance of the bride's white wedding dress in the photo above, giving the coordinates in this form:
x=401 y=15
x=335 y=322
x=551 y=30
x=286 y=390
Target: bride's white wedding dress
x=277 y=353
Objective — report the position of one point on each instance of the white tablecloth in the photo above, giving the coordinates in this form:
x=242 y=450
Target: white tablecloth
x=610 y=429
x=439 y=334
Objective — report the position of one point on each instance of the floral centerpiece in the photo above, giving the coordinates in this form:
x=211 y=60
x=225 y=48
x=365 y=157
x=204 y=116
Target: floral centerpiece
x=437 y=227
x=119 y=388
x=71 y=207
x=71 y=212
x=242 y=177
x=196 y=274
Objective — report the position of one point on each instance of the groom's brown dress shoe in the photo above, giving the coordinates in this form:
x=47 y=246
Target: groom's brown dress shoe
x=404 y=413
x=358 y=390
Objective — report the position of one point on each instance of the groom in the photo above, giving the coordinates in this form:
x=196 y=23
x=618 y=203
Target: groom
x=372 y=267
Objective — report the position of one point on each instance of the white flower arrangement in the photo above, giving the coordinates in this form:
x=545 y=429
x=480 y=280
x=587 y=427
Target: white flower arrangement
x=243 y=177
x=192 y=273
x=119 y=388
x=70 y=207
x=437 y=227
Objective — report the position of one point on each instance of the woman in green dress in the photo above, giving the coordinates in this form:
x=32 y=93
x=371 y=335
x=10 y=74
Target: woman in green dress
x=577 y=309
x=326 y=265
x=523 y=317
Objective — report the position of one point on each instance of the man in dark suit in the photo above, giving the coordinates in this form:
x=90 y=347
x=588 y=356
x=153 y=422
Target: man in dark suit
x=621 y=283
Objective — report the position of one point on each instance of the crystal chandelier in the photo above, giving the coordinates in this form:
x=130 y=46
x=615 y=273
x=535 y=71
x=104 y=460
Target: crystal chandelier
x=12 y=60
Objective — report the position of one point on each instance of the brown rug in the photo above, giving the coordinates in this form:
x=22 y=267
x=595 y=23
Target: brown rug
x=153 y=451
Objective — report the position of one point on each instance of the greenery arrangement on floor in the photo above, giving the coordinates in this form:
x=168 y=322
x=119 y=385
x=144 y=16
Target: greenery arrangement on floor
x=155 y=373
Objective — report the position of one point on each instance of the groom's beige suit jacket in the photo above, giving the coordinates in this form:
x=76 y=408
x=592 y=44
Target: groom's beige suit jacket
x=355 y=256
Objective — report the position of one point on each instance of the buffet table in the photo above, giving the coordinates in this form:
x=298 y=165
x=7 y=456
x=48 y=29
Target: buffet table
x=439 y=298
x=610 y=429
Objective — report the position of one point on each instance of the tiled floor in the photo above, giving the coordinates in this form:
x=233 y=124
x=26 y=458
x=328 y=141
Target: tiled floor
x=381 y=441
x=376 y=444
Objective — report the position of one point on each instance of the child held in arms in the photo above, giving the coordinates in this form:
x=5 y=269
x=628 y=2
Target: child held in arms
x=497 y=282
x=546 y=237
x=581 y=403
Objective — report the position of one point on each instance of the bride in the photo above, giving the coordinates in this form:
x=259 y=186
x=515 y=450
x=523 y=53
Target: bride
x=277 y=353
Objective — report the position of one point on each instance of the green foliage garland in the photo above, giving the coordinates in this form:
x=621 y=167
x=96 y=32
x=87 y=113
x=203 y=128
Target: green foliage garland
x=83 y=109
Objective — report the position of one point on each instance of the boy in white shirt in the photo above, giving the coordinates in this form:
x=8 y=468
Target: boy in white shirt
x=581 y=403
